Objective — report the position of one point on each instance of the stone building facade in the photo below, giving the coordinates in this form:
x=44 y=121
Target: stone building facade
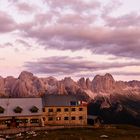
x=64 y=110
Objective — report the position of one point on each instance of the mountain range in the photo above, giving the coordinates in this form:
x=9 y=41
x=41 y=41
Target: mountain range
x=114 y=101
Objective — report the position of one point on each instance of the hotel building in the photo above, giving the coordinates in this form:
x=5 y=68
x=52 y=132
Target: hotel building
x=64 y=110
x=18 y=112
x=49 y=110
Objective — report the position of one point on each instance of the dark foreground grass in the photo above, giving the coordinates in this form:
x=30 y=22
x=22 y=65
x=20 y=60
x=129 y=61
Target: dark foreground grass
x=120 y=132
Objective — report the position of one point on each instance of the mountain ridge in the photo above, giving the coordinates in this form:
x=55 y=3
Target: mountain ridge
x=29 y=85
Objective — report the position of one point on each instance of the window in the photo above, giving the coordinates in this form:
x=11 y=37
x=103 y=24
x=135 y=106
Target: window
x=1 y=110
x=50 y=118
x=18 y=109
x=73 y=118
x=66 y=109
x=58 y=109
x=50 y=110
x=34 y=109
x=58 y=118
x=7 y=121
x=73 y=109
x=22 y=120
x=34 y=120
x=66 y=118
x=80 y=117
x=2 y=122
x=43 y=109
x=81 y=109
x=73 y=103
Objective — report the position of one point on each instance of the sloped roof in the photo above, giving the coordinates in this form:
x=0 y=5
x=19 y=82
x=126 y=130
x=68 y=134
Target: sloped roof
x=59 y=100
x=9 y=104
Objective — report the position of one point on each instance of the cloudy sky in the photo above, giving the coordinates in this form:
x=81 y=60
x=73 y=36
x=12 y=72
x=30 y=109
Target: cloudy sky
x=77 y=38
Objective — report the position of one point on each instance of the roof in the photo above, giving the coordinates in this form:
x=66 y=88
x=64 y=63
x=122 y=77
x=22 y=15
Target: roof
x=9 y=104
x=59 y=100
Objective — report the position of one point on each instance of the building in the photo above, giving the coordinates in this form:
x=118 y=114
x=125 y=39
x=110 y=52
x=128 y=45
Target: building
x=64 y=110
x=94 y=120
x=16 y=112
x=49 y=110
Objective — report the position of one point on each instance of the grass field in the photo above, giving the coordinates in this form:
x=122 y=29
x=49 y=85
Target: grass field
x=119 y=132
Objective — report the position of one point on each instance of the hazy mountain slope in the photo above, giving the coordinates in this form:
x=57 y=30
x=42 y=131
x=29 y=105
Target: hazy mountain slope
x=116 y=109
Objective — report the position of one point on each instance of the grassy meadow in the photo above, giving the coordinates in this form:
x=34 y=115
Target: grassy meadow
x=117 y=132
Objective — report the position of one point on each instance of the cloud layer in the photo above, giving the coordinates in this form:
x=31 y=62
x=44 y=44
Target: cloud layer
x=71 y=65
x=7 y=24
x=71 y=25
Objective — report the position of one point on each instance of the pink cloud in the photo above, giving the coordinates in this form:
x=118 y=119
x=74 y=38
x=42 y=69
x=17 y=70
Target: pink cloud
x=76 y=19
x=25 y=7
x=76 y=5
x=71 y=65
x=101 y=40
x=128 y=20
x=24 y=43
x=7 y=24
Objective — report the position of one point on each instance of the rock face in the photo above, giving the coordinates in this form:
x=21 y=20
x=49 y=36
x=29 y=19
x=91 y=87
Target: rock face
x=29 y=85
x=2 y=88
x=82 y=83
x=88 y=83
x=103 y=84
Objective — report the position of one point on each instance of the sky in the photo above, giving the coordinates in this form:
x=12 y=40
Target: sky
x=70 y=38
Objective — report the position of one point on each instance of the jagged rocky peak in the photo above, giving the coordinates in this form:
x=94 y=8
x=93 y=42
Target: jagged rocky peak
x=88 y=83
x=108 y=75
x=51 y=80
x=9 y=81
x=68 y=82
x=29 y=85
x=10 y=77
x=134 y=83
x=82 y=80
x=2 y=89
x=70 y=85
x=109 y=79
x=67 y=78
x=25 y=75
x=103 y=84
x=82 y=83
x=85 y=83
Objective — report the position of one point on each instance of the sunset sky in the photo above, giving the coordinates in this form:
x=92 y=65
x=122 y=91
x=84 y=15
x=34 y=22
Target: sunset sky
x=77 y=38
